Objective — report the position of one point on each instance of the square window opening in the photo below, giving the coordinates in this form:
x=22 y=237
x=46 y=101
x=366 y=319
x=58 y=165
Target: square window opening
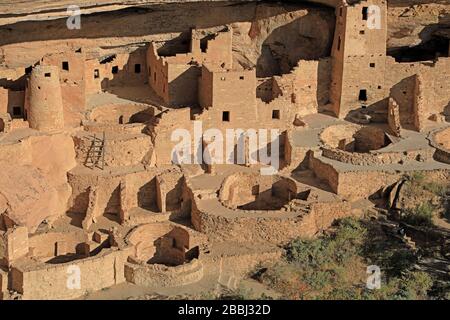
x=65 y=65
x=226 y=116
x=362 y=95
x=275 y=114
x=137 y=68
x=115 y=70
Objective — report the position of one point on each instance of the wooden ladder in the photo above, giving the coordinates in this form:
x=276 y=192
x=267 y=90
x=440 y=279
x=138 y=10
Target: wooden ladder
x=96 y=154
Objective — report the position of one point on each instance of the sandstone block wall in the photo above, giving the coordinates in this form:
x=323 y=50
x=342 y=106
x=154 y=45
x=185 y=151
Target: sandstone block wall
x=359 y=54
x=114 y=70
x=12 y=102
x=435 y=90
x=222 y=109
x=163 y=276
x=50 y=281
x=16 y=240
x=45 y=111
x=71 y=65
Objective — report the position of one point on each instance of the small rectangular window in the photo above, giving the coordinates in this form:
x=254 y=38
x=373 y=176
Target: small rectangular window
x=362 y=95
x=339 y=44
x=222 y=78
x=241 y=77
x=65 y=65
x=226 y=116
x=372 y=65
x=115 y=69
x=275 y=114
x=96 y=74
x=362 y=32
x=48 y=75
x=137 y=68
x=365 y=13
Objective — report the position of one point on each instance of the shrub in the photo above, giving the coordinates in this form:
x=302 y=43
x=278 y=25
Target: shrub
x=400 y=261
x=416 y=176
x=345 y=243
x=422 y=215
x=348 y=240
x=436 y=188
x=319 y=279
x=414 y=286
x=308 y=253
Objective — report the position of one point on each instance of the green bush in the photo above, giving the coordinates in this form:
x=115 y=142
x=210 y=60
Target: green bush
x=436 y=188
x=308 y=253
x=399 y=261
x=319 y=279
x=344 y=244
x=416 y=176
x=414 y=286
x=348 y=240
x=422 y=215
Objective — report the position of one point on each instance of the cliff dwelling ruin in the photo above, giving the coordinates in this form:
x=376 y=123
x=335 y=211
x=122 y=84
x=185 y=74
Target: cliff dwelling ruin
x=91 y=175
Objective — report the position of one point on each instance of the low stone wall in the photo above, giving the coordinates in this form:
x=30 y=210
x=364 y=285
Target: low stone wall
x=43 y=245
x=122 y=113
x=46 y=281
x=353 y=185
x=325 y=172
x=359 y=185
x=157 y=275
x=111 y=128
x=125 y=150
x=442 y=154
x=377 y=158
x=141 y=187
x=240 y=264
x=275 y=229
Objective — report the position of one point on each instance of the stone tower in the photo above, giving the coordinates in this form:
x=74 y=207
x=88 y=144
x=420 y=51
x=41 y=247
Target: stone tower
x=359 y=56
x=45 y=106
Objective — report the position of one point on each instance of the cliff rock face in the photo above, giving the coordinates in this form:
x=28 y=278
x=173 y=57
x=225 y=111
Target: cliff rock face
x=34 y=188
x=264 y=33
x=417 y=24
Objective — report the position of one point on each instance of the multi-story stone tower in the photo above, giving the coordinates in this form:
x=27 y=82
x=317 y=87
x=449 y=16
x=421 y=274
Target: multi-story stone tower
x=358 y=56
x=45 y=105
